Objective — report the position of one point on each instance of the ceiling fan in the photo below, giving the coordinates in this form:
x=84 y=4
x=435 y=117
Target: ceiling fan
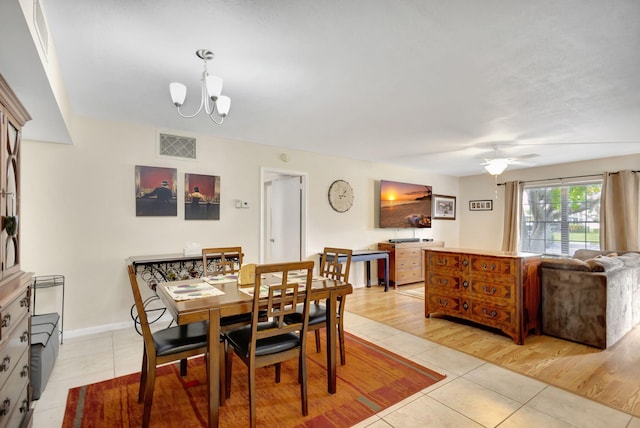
x=498 y=163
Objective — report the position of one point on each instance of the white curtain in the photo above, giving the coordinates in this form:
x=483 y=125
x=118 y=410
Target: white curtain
x=619 y=207
x=512 y=215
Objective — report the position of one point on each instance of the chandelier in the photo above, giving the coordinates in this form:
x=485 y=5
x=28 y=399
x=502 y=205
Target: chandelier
x=212 y=101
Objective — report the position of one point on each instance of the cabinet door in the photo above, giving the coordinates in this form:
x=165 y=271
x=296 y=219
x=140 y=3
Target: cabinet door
x=9 y=188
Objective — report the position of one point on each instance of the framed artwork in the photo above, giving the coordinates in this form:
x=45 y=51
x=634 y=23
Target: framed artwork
x=156 y=191
x=444 y=207
x=481 y=205
x=201 y=197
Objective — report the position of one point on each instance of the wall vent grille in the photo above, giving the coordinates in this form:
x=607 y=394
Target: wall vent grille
x=177 y=146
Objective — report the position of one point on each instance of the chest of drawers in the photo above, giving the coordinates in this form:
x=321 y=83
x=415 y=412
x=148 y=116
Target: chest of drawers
x=14 y=352
x=406 y=260
x=496 y=289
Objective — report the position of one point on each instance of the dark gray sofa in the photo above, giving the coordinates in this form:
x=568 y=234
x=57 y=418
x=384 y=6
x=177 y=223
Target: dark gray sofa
x=592 y=298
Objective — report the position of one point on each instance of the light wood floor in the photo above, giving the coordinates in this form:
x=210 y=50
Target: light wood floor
x=611 y=377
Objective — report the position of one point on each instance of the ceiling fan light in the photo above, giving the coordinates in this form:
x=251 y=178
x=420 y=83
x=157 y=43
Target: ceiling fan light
x=214 y=86
x=178 y=93
x=496 y=166
x=223 y=104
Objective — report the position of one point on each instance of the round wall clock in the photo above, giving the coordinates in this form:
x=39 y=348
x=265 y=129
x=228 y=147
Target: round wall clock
x=340 y=196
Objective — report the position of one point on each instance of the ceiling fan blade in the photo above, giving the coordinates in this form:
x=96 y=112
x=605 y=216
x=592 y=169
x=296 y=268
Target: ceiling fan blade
x=527 y=156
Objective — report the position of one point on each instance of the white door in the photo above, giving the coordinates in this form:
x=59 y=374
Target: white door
x=283 y=217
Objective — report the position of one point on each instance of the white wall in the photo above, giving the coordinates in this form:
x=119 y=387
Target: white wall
x=483 y=229
x=78 y=209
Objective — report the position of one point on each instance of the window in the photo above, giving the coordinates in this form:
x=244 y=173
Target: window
x=559 y=219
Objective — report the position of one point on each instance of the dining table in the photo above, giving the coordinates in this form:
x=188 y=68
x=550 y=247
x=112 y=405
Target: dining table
x=231 y=299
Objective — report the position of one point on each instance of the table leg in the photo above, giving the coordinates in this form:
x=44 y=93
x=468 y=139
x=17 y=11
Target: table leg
x=213 y=360
x=386 y=273
x=331 y=343
x=368 y=273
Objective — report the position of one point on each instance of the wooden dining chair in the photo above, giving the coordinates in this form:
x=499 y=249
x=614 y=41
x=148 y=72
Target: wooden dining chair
x=335 y=264
x=221 y=260
x=226 y=261
x=165 y=346
x=265 y=343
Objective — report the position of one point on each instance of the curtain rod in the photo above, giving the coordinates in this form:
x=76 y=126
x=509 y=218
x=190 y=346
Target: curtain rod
x=559 y=178
x=564 y=178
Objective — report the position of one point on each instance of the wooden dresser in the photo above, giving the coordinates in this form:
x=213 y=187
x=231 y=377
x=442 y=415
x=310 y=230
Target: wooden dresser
x=496 y=289
x=15 y=297
x=406 y=261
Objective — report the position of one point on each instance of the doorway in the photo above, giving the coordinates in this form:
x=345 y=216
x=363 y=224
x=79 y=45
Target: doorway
x=283 y=213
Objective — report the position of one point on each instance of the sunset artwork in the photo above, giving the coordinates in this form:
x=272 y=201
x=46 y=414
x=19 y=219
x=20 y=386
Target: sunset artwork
x=404 y=205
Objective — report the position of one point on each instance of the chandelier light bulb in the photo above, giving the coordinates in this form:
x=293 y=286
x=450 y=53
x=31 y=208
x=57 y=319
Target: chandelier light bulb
x=178 y=93
x=223 y=104
x=214 y=86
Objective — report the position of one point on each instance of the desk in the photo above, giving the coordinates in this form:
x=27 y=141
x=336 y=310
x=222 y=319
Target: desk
x=368 y=256
x=235 y=302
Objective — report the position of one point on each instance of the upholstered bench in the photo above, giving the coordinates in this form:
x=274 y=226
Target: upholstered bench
x=45 y=345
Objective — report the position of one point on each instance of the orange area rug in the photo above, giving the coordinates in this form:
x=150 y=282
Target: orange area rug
x=372 y=380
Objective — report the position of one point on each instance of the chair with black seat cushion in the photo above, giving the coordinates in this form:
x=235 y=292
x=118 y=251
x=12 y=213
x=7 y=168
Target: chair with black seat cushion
x=165 y=346
x=335 y=264
x=271 y=342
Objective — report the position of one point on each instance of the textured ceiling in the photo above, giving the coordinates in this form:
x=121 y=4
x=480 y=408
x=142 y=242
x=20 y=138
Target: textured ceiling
x=427 y=84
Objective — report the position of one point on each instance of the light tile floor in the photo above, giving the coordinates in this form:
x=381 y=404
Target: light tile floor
x=474 y=394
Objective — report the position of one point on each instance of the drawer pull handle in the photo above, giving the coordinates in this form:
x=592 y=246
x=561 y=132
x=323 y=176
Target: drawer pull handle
x=6 y=406
x=441 y=261
x=25 y=406
x=24 y=302
x=6 y=364
x=487 y=291
x=6 y=320
x=465 y=305
x=486 y=313
x=442 y=281
x=465 y=262
x=486 y=267
x=24 y=337
x=25 y=371
x=465 y=284
x=443 y=302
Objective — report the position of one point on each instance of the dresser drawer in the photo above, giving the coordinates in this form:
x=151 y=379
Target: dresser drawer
x=12 y=314
x=437 y=280
x=491 y=315
x=408 y=263
x=491 y=289
x=408 y=276
x=14 y=402
x=405 y=253
x=438 y=261
x=447 y=303
x=12 y=350
x=499 y=269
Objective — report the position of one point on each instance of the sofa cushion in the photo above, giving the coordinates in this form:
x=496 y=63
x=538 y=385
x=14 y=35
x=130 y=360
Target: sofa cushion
x=584 y=254
x=604 y=263
x=566 y=264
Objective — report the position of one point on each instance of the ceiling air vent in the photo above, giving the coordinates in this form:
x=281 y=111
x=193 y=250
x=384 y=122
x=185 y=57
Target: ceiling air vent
x=177 y=146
